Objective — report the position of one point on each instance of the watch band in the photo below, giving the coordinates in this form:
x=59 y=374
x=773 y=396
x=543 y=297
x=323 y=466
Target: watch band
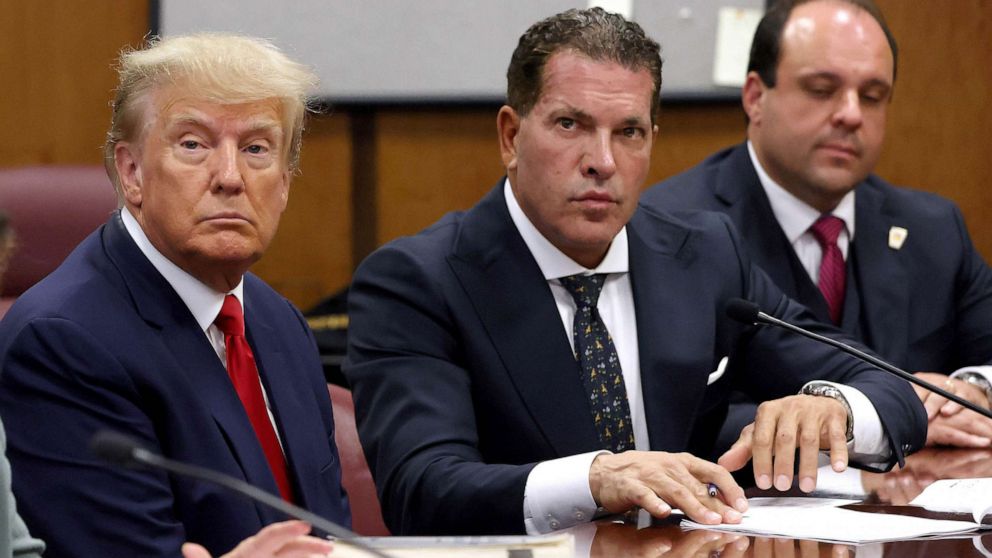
x=979 y=381
x=820 y=389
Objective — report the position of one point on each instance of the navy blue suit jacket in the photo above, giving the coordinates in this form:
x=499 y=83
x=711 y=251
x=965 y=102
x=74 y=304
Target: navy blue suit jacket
x=924 y=307
x=104 y=342
x=464 y=379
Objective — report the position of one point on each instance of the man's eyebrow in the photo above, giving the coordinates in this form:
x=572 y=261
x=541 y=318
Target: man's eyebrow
x=253 y=125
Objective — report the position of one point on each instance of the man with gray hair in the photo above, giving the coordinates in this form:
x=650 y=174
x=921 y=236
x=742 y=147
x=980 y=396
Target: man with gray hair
x=153 y=326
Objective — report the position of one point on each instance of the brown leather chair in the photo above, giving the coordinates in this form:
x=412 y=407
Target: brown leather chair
x=366 y=515
x=51 y=209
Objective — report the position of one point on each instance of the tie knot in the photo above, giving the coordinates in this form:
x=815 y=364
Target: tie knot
x=231 y=320
x=584 y=289
x=826 y=229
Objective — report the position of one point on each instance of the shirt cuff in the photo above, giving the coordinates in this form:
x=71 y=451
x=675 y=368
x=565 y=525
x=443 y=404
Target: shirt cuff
x=557 y=494
x=870 y=445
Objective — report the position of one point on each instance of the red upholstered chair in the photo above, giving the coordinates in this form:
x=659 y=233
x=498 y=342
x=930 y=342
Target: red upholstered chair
x=51 y=209
x=366 y=515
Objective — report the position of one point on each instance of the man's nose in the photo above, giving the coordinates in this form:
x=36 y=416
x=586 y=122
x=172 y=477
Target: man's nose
x=228 y=175
x=599 y=161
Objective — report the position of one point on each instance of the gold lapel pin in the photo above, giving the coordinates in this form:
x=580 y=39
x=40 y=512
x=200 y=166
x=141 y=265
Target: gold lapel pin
x=897 y=236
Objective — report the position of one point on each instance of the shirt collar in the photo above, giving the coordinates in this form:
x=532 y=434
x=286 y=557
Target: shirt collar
x=794 y=215
x=553 y=263
x=203 y=302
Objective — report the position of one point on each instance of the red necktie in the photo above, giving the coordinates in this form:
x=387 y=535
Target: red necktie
x=833 y=275
x=244 y=374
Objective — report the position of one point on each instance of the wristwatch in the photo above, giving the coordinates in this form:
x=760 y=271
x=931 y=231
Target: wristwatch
x=979 y=381
x=820 y=389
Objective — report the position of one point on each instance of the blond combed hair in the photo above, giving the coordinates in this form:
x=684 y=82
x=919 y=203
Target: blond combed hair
x=221 y=68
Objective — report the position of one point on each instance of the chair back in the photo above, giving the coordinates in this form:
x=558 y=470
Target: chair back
x=366 y=515
x=51 y=209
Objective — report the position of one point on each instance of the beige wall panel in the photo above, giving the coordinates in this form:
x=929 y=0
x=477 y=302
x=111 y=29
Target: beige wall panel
x=57 y=77
x=939 y=136
x=310 y=256
x=431 y=162
x=687 y=134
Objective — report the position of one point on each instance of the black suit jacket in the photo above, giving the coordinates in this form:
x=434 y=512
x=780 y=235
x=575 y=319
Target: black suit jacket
x=464 y=379
x=924 y=307
x=105 y=342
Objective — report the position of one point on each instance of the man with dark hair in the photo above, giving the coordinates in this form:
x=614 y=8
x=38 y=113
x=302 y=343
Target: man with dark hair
x=909 y=284
x=513 y=364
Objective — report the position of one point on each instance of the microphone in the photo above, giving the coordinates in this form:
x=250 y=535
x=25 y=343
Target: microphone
x=123 y=450
x=748 y=312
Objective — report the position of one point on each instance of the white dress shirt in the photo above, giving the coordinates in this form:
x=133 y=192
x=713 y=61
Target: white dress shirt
x=796 y=217
x=202 y=301
x=557 y=494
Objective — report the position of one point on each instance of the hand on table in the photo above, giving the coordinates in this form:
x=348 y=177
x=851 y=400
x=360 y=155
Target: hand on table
x=287 y=539
x=804 y=422
x=659 y=481
x=900 y=486
x=951 y=424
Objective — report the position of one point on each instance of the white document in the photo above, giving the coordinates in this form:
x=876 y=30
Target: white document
x=972 y=496
x=821 y=519
x=734 y=32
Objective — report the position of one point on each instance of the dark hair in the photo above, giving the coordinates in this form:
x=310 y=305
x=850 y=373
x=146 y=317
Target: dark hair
x=595 y=33
x=767 y=45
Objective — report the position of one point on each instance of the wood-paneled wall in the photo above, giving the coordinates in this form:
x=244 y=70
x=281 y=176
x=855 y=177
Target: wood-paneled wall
x=371 y=175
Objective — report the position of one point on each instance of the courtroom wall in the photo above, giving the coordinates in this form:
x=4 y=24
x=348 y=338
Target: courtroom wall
x=370 y=174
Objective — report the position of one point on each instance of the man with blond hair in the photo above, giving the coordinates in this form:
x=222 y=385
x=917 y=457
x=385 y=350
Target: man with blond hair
x=153 y=326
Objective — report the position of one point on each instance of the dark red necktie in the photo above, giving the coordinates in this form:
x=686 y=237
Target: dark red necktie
x=833 y=275
x=244 y=374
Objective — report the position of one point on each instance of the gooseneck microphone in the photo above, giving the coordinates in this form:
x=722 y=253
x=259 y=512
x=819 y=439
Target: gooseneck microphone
x=748 y=312
x=119 y=449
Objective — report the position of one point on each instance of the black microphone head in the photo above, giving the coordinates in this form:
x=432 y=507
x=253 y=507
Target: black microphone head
x=114 y=447
x=743 y=311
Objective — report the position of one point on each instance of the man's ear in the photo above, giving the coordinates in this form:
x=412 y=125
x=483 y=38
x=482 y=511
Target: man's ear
x=128 y=173
x=752 y=95
x=508 y=126
x=287 y=179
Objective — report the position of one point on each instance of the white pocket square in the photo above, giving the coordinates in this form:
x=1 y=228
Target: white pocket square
x=720 y=368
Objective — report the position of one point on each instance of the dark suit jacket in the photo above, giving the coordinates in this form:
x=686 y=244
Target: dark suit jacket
x=464 y=379
x=104 y=342
x=926 y=306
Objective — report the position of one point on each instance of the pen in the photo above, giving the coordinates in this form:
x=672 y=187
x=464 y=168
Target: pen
x=712 y=490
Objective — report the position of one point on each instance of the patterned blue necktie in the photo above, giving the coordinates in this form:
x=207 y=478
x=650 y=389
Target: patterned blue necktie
x=601 y=374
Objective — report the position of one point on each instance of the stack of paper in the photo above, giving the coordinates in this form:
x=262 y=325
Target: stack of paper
x=821 y=519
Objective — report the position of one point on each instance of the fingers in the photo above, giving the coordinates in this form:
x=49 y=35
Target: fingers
x=740 y=453
x=961 y=430
x=967 y=391
x=805 y=422
x=762 y=445
x=838 y=445
x=809 y=451
x=193 y=550
x=942 y=433
x=657 y=482
x=285 y=540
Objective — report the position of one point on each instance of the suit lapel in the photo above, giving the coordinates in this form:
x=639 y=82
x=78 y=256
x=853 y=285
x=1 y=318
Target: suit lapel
x=663 y=283
x=307 y=448
x=881 y=275
x=740 y=189
x=515 y=305
x=193 y=356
